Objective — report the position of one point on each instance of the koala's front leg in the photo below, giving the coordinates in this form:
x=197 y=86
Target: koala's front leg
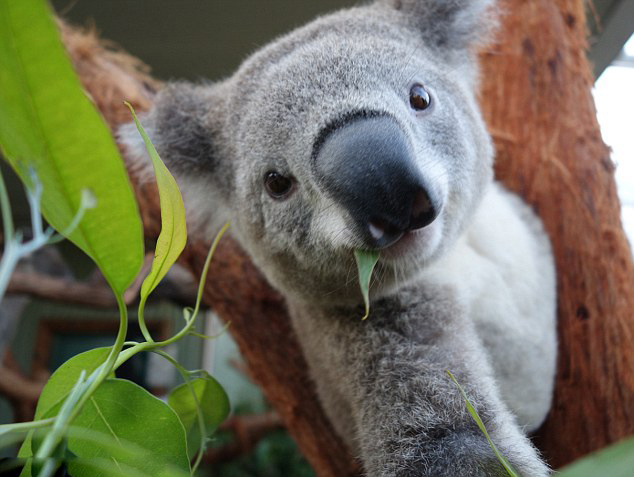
x=384 y=385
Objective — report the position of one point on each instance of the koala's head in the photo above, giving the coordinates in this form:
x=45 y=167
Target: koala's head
x=357 y=131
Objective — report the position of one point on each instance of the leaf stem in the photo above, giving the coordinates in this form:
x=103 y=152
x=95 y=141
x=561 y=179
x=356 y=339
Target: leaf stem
x=7 y=264
x=212 y=337
x=54 y=437
x=34 y=196
x=7 y=219
x=150 y=346
x=14 y=249
x=87 y=202
x=26 y=426
x=141 y=319
x=199 y=415
x=85 y=388
x=81 y=393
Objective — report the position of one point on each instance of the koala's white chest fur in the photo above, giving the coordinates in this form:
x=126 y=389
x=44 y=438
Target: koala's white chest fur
x=503 y=271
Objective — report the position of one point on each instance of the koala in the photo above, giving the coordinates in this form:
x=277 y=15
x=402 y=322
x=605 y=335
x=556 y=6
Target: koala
x=361 y=130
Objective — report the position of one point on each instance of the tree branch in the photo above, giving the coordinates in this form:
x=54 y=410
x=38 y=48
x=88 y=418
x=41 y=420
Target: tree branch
x=15 y=386
x=96 y=293
x=52 y=288
x=21 y=390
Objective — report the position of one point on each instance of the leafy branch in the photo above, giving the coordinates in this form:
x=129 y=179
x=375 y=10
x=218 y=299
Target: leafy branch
x=65 y=407
x=58 y=144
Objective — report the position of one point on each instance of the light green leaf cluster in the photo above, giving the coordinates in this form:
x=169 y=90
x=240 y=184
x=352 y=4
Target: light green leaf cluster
x=123 y=414
x=86 y=418
x=118 y=415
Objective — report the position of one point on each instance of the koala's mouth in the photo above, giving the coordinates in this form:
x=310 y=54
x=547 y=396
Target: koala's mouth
x=384 y=231
x=401 y=245
x=410 y=243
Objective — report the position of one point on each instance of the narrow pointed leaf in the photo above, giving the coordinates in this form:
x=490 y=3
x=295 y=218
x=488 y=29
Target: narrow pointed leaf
x=476 y=417
x=173 y=236
x=48 y=123
x=366 y=261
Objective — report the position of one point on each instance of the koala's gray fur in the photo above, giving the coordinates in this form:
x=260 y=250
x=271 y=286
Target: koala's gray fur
x=472 y=292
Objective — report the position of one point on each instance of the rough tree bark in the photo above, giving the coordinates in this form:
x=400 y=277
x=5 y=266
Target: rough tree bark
x=536 y=98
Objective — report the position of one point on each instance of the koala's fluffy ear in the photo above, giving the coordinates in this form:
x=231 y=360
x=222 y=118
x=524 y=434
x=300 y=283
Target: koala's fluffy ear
x=183 y=124
x=448 y=24
x=186 y=125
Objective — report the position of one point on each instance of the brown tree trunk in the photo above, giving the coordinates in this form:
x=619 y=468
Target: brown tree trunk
x=537 y=101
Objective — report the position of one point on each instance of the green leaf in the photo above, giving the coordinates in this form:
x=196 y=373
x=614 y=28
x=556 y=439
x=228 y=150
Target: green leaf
x=103 y=466
x=126 y=414
x=366 y=261
x=64 y=378
x=212 y=401
x=113 y=446
x=173 y=236
x=26 y=452
x=26 y=471
x=48 y=123
x=476 y=417
x=616 y=460
x=57 y=388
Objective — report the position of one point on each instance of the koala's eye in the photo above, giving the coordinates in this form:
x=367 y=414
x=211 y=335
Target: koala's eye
x=277 y=185
x=419 y=98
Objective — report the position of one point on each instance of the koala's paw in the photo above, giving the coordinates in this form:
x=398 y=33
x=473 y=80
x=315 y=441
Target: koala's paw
x=460 y=454
x=523 y=457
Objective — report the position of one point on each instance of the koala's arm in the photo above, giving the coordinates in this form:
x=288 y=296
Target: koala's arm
x=384 y=384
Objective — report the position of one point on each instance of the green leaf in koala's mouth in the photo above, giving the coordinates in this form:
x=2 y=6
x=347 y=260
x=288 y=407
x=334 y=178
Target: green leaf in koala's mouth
x=366 y=260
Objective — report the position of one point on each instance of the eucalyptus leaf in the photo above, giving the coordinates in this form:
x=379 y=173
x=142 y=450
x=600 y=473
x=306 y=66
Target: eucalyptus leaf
x=64 y=378
x=104 y=466
x=173 y=236
x=616 y=460
x=366 y=261
x=59 y=386
x=126 y=414
x=47 y=123
x=211 y=400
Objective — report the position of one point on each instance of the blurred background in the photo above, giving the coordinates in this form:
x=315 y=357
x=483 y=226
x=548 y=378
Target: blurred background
x=206 y=40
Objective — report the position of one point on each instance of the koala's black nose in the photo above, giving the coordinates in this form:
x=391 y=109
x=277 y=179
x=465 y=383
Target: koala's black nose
x=368 y=166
